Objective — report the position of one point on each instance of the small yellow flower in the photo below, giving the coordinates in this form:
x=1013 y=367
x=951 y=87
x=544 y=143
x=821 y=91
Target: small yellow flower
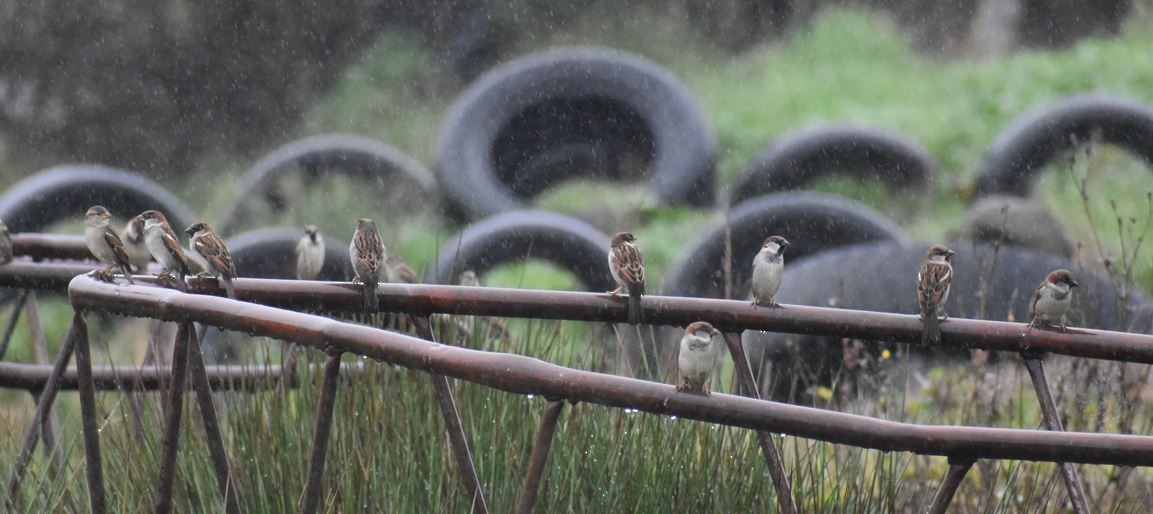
x=824 y=393
x=886 y=354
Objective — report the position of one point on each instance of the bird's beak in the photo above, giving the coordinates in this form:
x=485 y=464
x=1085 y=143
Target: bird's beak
x=951 y=253
x=1074 y=283
x=189 y=231
x=786 y=243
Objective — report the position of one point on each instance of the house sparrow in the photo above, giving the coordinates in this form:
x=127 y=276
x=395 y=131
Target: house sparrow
x=217 y=262
x=5 y=244
x=768 y=268
x=309 y=254
x=367 y=254
x=628 y=269
x=933 y=282
x=138 y=254
x=399 y=272
x=164 y=246
x=468 y=278
x=700 y=347
x=104 y=243
x=1052 y=299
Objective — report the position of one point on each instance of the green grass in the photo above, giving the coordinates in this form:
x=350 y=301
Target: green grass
x=389 y=451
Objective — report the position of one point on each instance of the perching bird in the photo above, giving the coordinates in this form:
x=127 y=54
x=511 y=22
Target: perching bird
x=104 y=243
x=367 y=254
x=164 y=246
x=138 y=254
x=768 y=268
x=217 y=261
x=399 y=272
x=309 y=254
x=700 y=347
x=933 y=281
x=1052 y=299
x=628 y=269
x=6 y=255
x=468 y=278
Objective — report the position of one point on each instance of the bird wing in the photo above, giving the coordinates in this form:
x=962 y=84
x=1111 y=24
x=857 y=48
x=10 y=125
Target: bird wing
x=212 y=248
x=932 y=283
x=630 y=267
x=1033 y=302
x=370 y=249
x=116 y=245
x=172 y=244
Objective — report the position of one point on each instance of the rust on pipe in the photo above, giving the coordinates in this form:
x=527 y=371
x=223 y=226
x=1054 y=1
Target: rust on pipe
x=312 y=489
x=773 y=460
x=43 y=405
x=94 y=467
x=949 y=485
x=726 y=315
x=539 y=457
x=51 y=246
x=523 y=375
x=452 y=424
x=225 y=478
x=175 y=409
x=1069 y=473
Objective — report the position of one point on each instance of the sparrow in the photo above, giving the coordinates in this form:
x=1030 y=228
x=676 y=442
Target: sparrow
x=933 y=282
x=104 y=243
x=164 y=246
x=399 y=272
x=700 y=347
x=768 y=268
x=309 y=254
x=1052 y=299
x=5 y=244
x=628 y=269
x=138 y=254
x=218 y=263
x=367 y=254
x=468 y=278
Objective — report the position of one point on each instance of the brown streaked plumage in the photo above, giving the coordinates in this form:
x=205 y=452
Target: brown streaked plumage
x=211 y=247
x=368 y=255
x=105 y=243
x=628 y=270
x=164 y=246
x=933 y=283
x=1052 y=299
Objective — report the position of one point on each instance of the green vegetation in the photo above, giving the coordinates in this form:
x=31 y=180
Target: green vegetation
x=389 y=451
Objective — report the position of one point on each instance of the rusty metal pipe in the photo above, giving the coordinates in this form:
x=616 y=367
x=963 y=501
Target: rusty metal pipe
x=312 y=489
x=171 y=438
x=949 y=485
x=33 y=377
x=524 y=375
x=225 y=477
x=1069 y=473
x=539 y=457
x=94 y=468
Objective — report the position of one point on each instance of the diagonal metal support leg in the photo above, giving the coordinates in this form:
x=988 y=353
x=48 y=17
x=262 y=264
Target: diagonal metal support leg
x=11 y=327
x=51 y=426
x=171 y=438
x=768 y=446
x=536 y=462
x=311 y=497
x=95 y=469
x=225 y=478
x=949 y=485
x=1069 y=472
x=456 y=437
x=43 y=405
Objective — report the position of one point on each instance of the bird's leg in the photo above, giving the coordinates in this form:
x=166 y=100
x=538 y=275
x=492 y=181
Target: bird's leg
x=202 y=274
x=682 y=386
x=705 y=389
x=617 y=291
x=941 y=314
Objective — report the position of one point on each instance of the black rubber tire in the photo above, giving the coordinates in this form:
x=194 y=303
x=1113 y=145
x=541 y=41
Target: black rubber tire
x=566 y=98
x=799 y=158
x=1021 y=151
x=271 y=253
x=64 y=193
x=881 y=278
x=569 y=243
x=367 y=159
x=812 y=222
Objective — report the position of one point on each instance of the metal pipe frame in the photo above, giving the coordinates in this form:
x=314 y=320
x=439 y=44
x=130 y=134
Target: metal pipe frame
x=522 y=375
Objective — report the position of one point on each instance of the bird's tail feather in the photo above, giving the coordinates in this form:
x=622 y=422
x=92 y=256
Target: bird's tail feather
x=371 y=304
x=932 y=334
x=636 y=316
x=229 y=288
